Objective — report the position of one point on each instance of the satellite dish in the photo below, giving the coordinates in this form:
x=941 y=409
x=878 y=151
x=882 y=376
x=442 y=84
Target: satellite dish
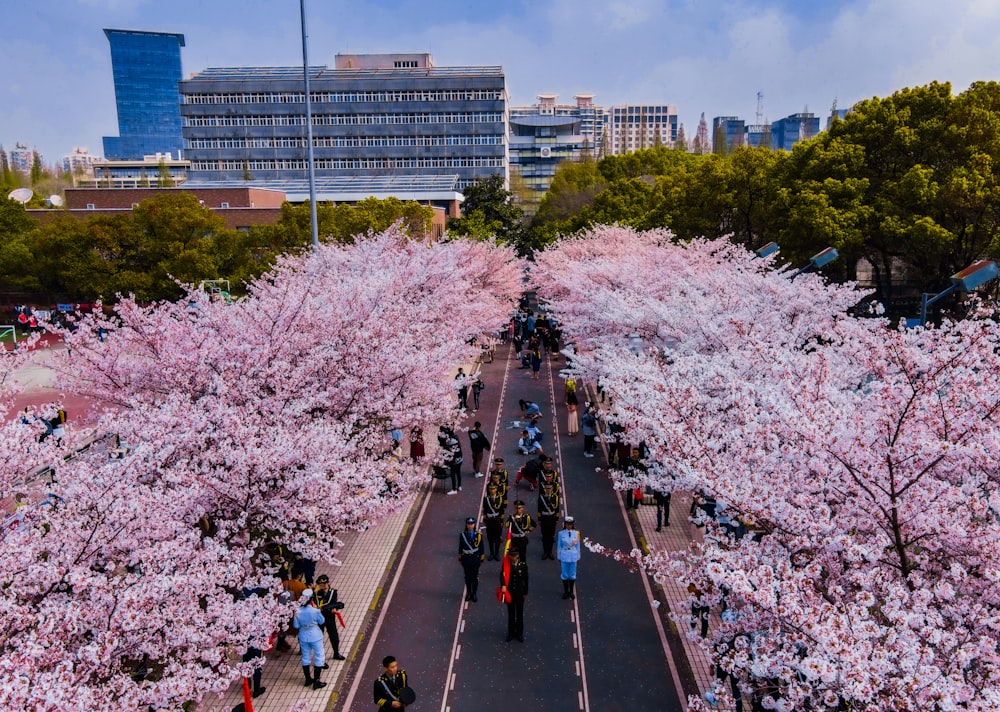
x=56 y=200
x=21 y=195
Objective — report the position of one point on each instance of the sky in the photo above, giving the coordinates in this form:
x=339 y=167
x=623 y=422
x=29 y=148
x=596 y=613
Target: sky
x=57 y=92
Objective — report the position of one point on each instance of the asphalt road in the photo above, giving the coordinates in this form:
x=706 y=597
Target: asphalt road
x=602 y=651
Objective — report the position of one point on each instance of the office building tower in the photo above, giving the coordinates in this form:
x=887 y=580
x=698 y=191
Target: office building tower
x=728 y=133
x=377 y=116
x=146 y=67
x=545 y=134
x=787 y=132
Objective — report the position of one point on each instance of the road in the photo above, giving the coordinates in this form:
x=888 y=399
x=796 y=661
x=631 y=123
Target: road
x=603 y=651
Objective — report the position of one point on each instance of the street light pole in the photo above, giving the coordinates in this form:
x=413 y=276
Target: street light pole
x=818 y=260
x=968 y=279
x=309 y=131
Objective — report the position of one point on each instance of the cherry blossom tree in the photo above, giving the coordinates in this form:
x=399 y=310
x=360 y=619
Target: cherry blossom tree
x=862 y=459
x=257 y=422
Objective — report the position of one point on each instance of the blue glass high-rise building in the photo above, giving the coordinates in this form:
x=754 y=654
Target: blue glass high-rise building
x=147 y=68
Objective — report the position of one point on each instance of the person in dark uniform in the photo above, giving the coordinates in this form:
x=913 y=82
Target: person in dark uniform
x=521 y=524
x=515 y=590
x=471 y=555
x=494 y=506
x=390 y=685
x=326 y=599
x=548 y=517
x=500 y=475
x=549 y=474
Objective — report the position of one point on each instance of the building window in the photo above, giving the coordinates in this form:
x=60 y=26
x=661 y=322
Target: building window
x=405 y=64
x=90 y=206
x=224 y=206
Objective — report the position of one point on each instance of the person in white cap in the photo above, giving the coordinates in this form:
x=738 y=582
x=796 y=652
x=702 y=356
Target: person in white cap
x=568 y=553
x=308 y=620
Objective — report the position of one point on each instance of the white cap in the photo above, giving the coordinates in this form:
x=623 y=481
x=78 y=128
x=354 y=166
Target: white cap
x=306 y=595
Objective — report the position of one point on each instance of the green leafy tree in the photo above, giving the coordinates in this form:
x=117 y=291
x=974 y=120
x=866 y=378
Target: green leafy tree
x=489 y=210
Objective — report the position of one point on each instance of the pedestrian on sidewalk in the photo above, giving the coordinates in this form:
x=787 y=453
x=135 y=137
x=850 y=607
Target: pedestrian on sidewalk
x=478 y=444
x=392 y=687
x=568 y=552
x=417 y=450
x=463 y=389
x=471 y=554
x=662 y=500
x=330 y=607
x=588 y=425
x=514 y=588
x=308 y=620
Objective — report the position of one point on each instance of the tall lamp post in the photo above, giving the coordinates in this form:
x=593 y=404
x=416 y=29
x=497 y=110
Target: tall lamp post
x=973 y=276
x=309 y=131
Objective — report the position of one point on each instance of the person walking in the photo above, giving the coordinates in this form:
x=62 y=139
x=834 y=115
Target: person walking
x=471 y=554
x=520 y=524
x=463 y=389
x=662 y=500
x=478 y=444
x=417 y=450
x=494 y=506
x=548 y=516
x=536 y=361
x=569 y=554
x=308 y=620
x=477 y=389
x=588 y=425
x=514 y=589
x=330 y=607
x=392 y=686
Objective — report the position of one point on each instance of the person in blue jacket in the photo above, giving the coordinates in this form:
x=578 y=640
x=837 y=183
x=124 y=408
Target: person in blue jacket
x=308 y=620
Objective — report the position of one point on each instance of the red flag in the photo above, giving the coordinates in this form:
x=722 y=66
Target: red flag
x=504 y=596
x=340 y=618
x=247 y=697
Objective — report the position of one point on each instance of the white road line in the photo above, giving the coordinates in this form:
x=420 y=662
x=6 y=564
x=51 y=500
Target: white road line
x=653 y=611
x=584 y=696
x=460 y=624
x=388 y=598
x=458 y=650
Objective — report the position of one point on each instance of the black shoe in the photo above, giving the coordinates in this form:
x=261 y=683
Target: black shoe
x=510 y=638
x=565 y=595
x=325 y=667
x=572 y=595
x=259 y=691
x=659 y=529
x=468 y=598
x=475 y=599
x=338 y=656
x=308 y=682
x=318 y=685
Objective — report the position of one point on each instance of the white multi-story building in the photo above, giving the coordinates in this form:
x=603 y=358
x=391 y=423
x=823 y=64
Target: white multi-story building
x=545 y=134
x=21 y=158
x=633 y=127
x=79 y=162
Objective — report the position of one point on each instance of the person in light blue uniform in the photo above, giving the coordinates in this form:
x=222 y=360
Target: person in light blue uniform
x=568 y=553
x=308 y=620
